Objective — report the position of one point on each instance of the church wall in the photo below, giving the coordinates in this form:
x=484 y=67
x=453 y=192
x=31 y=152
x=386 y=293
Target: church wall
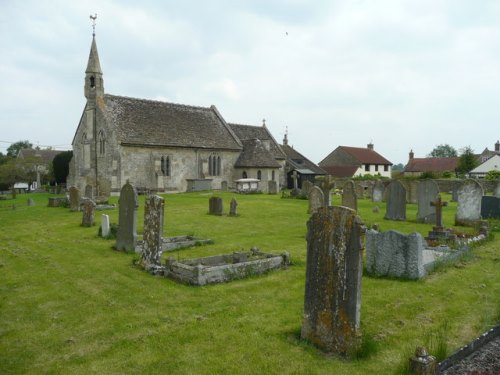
x=266 y=175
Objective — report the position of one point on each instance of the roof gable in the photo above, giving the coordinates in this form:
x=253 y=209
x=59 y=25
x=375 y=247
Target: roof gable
x=492 y=164
x=45 y=155
x=255 y=155
x=248 y=132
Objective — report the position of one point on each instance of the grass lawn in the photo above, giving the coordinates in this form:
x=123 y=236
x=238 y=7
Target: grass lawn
x=71 y=304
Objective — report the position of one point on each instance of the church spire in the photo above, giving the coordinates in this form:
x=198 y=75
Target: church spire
x=94 y=85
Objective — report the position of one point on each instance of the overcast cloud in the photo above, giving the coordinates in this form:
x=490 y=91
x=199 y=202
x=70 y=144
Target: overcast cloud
x=403 y=74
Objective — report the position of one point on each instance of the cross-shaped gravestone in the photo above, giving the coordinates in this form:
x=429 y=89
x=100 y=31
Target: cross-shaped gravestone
x=439 y=204
x=295 y=180
x=326 y=185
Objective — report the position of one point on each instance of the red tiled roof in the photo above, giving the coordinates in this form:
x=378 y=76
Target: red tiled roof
x=365 y=155
x=340 y=171
x=431 y=165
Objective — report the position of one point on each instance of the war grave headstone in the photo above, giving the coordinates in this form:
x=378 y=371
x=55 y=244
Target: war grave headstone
x=349 y=196
x=306 y=187
x=105 y=226
x=233 y=205
x=427 y=192
x=490 y=207
x=215 y=206
x=152 y=235
x=74 y=199
x=316 y=199
x=396 y=202
x=89 y=192
x=469 y=203
x=326 y=184
x=332 y=301
x=126 y=237
x=88 y=213
x=378 y=192
x=272 y=187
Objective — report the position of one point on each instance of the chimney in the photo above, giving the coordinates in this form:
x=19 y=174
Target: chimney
x=411 y=154
x=370 y=146
x=497 y=147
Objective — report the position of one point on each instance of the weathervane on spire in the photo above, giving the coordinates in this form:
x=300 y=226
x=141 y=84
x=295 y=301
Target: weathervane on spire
x=93 y=18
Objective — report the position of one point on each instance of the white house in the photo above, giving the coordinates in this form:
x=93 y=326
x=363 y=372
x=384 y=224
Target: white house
x=492 y=164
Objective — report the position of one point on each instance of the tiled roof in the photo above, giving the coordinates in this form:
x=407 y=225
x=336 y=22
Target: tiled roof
x=365 y=155
x=431 y=164
x=299 y=161
x=255 y=155
x=341 y=171
x=248 y=132
x=141 y=122
x=46 y=155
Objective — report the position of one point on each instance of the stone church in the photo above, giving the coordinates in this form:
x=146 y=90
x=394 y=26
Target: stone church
x=160 y=146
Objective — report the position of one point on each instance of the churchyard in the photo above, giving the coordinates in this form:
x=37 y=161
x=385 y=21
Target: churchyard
x=72 y=304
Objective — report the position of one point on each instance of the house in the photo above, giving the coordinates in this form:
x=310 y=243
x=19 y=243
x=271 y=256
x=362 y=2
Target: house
x=354 y=161
x=304 y=169
x=487 y=154
x=492 y=164
x=160 y=146
x=418 y=166
x=42 y=162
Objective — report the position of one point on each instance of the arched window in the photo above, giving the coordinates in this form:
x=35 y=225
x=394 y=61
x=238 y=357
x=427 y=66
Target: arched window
x=102 y=143
x=273 y=176
x=92 y=81
x=244 y=174
x=162 y=165
x=165 y=165
x=210 y=172
x=214 y=165
x=259 y=175
x=218 y=166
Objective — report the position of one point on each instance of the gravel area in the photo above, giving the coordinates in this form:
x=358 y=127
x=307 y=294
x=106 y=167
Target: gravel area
x=485 y=361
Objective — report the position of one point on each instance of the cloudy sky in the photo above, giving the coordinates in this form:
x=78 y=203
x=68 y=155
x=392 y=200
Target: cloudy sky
x=403 y=74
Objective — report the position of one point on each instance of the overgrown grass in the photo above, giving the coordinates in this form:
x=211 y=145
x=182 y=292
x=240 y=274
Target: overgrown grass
x=71 y=304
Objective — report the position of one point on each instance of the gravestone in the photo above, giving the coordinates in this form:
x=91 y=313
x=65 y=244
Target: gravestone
x=438 y=231
x=316 y=199
x=469 y=203
x=378 y=192
x=232 y=207
x=88 y=192
x=126 y=237
x=332 y=300
x=88 y=213
x=395 y=254
x=223 y=185
x=490 y=207
x=153 y=230
x=295 y=178
x=306 y=187
x=272 y=187
x=359 y=190
x=497 y=190
x=74 y=199
x=396 y=201
x=215 y=206
x=349 y=196
x=326 y=185
x=30 y=202
x=105 y=228
x=427 y=192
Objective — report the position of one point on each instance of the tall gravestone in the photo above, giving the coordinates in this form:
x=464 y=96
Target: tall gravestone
x=153 y=230
x=74 y=199
x=89 y=192
x=359 y=189
x=396 y=201
x=88 y=213
x=272 y=187
x=326 y=184
x=316 y=199
x=126 y=237
x=378 y=191
x=306 y=187
x=332 y=300
x=349 y=196
x=427 y=191
x=469 y=203
x=215 y=206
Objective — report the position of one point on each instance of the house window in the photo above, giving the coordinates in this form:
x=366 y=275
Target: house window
x=165 y=165
x=244 y=174
x=386 y=168
x=367 y=167
x=376 y=167
x=102 y=143
x=259 y=175
x=214 y=165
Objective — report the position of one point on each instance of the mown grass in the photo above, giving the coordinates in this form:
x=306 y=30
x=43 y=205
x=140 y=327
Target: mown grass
x=71 y=304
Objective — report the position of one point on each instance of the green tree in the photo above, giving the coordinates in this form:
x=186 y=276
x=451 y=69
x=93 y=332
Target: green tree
x=492 y=175
x=467 y=161
x=14 y=148
x=443 y=151
x=398 y=167
x=60 y=166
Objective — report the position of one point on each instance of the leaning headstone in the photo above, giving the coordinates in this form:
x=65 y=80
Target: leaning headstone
x=153 y=230
x=378 y=192
x=332 y=300
x=215 y=206
x=427 y=191
x=272 y=187
x=233 y=208
x=89 y=192
x=349 y=196
x=74 y=199
x=105 y=228
x=30 y=202
x=88 y=213
x=316 y=199
x=396 y=201
x=126 y=237
x=306 y=187
x=469 y=203
x=395 y=254
x=490 y=207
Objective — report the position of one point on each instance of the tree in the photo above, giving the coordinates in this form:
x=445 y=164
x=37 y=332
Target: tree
x=17 y=170
x=467 y=161
x=60 y=166
x=492 y=175
x=398 y=167
x=14 y=148
x=443 y=151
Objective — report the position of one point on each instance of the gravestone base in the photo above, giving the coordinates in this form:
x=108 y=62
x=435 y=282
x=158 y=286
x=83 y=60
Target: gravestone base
x=440 y=234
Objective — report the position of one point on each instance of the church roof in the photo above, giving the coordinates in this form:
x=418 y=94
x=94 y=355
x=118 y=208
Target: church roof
x=45 y=155
x=140 y=122
x=249 y=132
x=255 y=155
x=299 y=161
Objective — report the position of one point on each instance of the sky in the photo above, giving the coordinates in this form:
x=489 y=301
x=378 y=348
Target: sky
x=401 y=74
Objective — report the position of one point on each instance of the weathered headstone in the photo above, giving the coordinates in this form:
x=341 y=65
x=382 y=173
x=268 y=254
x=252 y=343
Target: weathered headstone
x=396 y=201
x=349 y=196
x=30 y=202
x=332 y=300
x=316 y=199
x=395 y=254
x=215 y=206
x=295 y=178
x=74 y=199
x=326 y=185
x=469 y=203
x=412 y=194
x=378 y=192
x=359 y=190
x=427 y=191
x=126 y=237
x=272 y=187
x=490 y=207
x=306 y=187
x=422 y=363
x=88 y=213
x=89 y=192
x=223 y=185
x=105 y=227
x=233 y=207
x=153 y=230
